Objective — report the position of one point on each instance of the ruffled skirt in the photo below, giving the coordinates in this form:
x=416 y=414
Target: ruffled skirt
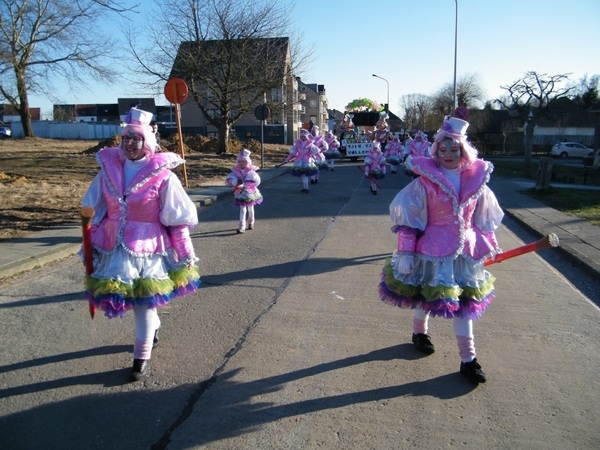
x=332 y=154
x=393 y=160
x=377 y=174
x=121 y=280
x=248 y=198
x=304 y=169
x=451 y=289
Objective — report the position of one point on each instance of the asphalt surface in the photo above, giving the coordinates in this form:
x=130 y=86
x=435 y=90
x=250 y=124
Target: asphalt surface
x=286 y=344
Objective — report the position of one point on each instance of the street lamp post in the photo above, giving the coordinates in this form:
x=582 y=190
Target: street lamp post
x=387 y=105
x=455 y=51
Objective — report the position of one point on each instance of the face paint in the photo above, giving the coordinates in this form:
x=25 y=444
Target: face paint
x=448 y=146
x=133 y=146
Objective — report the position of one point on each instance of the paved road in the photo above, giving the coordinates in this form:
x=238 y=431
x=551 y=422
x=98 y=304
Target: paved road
x=286 y=345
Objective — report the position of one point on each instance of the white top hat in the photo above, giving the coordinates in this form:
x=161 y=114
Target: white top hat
x=139 y=117
x=456 y=126
x=244 y=153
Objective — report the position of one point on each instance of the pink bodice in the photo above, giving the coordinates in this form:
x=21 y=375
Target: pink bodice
x=133 y=211
x=450 y=229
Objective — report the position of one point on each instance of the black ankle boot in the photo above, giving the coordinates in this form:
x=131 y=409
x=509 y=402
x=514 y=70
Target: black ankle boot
x=423 y=343
x=472 y=370
x=140 y=369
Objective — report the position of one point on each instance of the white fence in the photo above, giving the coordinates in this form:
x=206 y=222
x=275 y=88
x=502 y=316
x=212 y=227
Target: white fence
x=68 y=130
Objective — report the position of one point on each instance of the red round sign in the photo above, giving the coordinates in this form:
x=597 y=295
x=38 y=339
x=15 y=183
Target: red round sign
x=176 y=90
x=461 y=113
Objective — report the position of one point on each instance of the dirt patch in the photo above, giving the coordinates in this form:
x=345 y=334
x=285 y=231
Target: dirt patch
x=42 y=181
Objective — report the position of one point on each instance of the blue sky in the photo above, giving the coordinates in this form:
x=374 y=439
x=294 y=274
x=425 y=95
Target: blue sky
x=410 y=43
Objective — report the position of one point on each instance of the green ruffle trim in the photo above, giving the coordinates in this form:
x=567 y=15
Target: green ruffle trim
x=142 y=287
x=184 y=276
x=434 y=293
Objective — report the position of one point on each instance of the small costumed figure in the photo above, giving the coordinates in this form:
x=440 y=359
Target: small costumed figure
x=419 y=146
x=332 y=152
x=244 y=180
x=375 y=166
x=303 y=153
x=320 y=160
x=381 y=130
x=349 y=133
x=446 y=221
x=393 y=153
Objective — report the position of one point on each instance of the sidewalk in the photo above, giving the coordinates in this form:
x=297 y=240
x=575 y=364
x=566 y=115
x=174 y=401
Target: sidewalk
x=579 y=240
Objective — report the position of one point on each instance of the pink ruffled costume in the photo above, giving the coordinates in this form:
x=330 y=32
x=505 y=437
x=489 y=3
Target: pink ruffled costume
x=143 y=253
x=449 y=236
x=304 y=154
x=248 y=194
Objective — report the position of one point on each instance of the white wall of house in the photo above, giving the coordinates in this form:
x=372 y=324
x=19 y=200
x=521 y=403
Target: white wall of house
x=67 y=130
x=563 y=131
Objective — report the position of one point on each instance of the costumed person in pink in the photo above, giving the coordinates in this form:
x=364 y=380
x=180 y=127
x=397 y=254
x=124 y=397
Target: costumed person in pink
x=381 y=130
x=244 y=180
x=446 y=221
x=303 y=153
x=142 y=251
x=419 y=146
x=394 y=152
x=332 y=153
x=320 y=160
x=375 y=166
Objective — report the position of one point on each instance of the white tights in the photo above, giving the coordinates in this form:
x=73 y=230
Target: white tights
x=250 y=210
x=463 y=329
x=146 y=323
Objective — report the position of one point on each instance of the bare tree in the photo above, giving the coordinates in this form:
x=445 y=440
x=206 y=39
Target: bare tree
x=230 y=52
x=585 y=91
x=532 y=97
x=468 y=92
x=44 y=42
x=417 y=107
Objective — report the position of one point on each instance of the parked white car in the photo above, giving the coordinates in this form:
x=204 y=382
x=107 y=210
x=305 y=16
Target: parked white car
x=571 y=150
x=5 y=132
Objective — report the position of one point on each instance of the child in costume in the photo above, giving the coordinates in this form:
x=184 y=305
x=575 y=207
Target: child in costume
x=446 y=221
x=332 y=153
x=244 y=180
x=419 y=146
x=375 y=166
x=303 y=153
x=140 y=233
x=381 y=130
x=393 y=153
x=320 y=159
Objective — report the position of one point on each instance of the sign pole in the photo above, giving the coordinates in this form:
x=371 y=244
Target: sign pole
x=262 y=144
x=176 y=91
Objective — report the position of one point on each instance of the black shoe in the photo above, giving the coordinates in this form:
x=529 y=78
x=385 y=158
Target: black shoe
x=313 y=181
x=305 y=191
x=423 y=343
x=472 y=370
x=374 y=192
x=140 y=369
x=156 y=338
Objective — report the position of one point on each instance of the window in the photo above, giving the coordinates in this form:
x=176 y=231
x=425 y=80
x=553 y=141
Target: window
x=276 y=95
x=312 y=104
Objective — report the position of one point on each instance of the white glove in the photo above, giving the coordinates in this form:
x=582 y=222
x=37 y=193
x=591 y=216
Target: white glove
x=405 y=264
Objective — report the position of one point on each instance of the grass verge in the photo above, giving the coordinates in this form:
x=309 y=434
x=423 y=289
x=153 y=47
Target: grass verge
x=580 y=203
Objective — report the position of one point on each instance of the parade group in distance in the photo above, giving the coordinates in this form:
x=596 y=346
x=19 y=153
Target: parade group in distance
x=445 y=220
